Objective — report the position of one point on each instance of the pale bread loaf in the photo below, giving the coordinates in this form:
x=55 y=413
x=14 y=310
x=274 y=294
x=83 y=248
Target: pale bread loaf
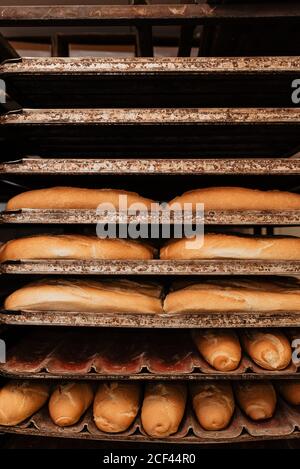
x=123 y=296
x=116 y=406
x=225 y=246
x=73 y=247
x=68 y=403
x=19 y=400
x=213 y=404
x=238 y=198
x=73 y=197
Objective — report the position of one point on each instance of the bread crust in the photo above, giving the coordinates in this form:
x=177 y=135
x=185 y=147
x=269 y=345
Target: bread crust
x=290 y=390
x=69 y=402
x=270 y=349
x=119 y=296
x=256 y=399
x=21 y=399
x=73 y=247
x=239 y=198
x=213 y=404
x=72 y=198
x=220 y=348
x=163 y=408
x=233 y=295
x=116 y=406
x=225 y=246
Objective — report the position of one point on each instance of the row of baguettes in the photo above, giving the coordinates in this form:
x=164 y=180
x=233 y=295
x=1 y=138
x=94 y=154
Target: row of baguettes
x=183 y=297
x=116 y=404
x=213 y=198
x=209 y=246
x=222 y=349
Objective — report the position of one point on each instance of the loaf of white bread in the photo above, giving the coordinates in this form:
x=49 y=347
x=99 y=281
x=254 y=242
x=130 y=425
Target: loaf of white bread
x=73 y=247
x=74 y=198
x=237 y=198
x=116 y=406
x=21 y=399
x=219 y=347
x=213 y=404
x=226 y=246
x=68 y=403
x=256 y=398
x=270 y=349
x=124 y=296
x=163 y=408
x=233 y=295
x=290 y=390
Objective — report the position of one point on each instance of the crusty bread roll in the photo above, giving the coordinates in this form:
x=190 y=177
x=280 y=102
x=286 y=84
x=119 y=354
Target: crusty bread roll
x=233 y=295
x=21 y=399
x=256 y=398
x=69 y=402
x=73 y=247
x=220 y=348
x=213 y=404
x=124 y=296
x=74 y=197
x=238 y=198
x=224 y=246
x=116 y=405
x=290 y=390
x=270 y=349
x=163 y=408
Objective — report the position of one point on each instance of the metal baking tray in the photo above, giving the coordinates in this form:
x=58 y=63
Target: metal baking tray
x=212 y=166
x=211 y=217
x=284 y=424
x=152 y=267
x=219 y=319
x=115 y=354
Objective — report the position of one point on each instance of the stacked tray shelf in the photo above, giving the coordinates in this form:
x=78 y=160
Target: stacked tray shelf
x=119 y=142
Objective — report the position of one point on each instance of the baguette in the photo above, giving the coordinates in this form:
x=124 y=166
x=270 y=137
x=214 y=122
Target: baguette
x=238 y=198
x=233 y=295
x=73 y=247
x=270 y=349
x=74 y=198
x=224 y=246
x=213 y=404
x=290 y=390
x=123 y=296
x=116 y=406
x=256 y=399
x=220 y=348
x=69 y=402
x=21 y=399
x=163 y=408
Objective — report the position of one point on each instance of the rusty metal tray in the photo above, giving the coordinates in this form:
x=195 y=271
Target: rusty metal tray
x=152 y=267
x=114 y=354
x=284 y=424
x=107 y=166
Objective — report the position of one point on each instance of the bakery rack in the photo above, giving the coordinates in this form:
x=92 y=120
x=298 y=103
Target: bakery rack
x=83 y=120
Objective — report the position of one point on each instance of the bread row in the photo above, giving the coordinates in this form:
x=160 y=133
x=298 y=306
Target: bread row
x=161 y=405
x=210 y=246
x=128 y=296
x=213 y=198
x=222 y=349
